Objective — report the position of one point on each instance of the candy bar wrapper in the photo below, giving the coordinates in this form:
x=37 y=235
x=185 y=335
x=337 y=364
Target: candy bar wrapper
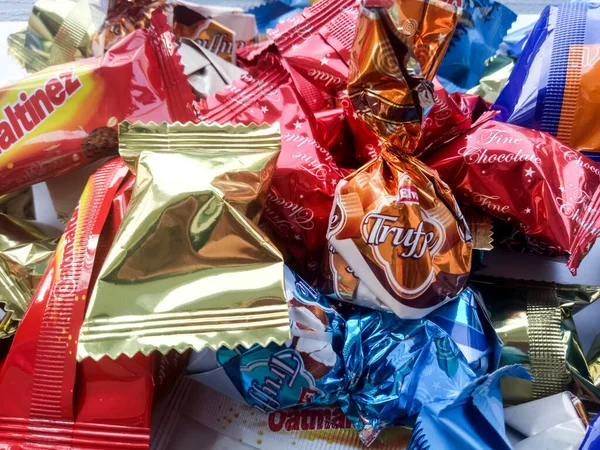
x=473 y=420
x=395 y=224
x=352 y=361
x=540 y=327
x=50 y=401
x=25 y=250
x=65 y=116
x=192 y=411
x=552 y=85
x=481 y=28
x=195 y=234
x=206 y=72
x=552 y=195
x=301 y=194
x=219 y=29
x=557 y=422
x=494 y=77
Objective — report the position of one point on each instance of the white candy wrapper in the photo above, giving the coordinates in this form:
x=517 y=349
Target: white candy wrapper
x=550 y=423
x=192 y=414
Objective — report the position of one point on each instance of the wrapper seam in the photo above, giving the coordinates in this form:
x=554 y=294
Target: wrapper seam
x=45 y=416
x=71 y=34
x=196 y=321
x=546 y=349
x=29 y=59
x=572 y=18
x=322 y=13
x=180 y=96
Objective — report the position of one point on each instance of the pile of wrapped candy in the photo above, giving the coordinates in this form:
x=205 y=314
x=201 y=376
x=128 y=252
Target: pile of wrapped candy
x=275 y=219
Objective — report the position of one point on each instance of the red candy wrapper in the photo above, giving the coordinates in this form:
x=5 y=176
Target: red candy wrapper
x=48 y=400
x=316 y=44
x=450 y=115
x=64 y=116
x=528 y=178
x=306 y=174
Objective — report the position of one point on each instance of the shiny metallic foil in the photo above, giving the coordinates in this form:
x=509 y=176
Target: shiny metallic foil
x=25 y=250
x=494 y=78
x=67 y=30
x=535 y=322
x=189 y=267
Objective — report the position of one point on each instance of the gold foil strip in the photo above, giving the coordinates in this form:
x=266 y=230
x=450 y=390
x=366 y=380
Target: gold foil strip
x=512 y=306
x=25 y=250
x=546 y=348
x=480 y=225
x=189 y=266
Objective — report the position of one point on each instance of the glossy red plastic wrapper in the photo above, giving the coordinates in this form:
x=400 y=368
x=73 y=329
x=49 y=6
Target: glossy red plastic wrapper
x=306 y=174
x=450 y=115
x=48 y=400
x=528 y=178
x=62 y=117
x=316 y=44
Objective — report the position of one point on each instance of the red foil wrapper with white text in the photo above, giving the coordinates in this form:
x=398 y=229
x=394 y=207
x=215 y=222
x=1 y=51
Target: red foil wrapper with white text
x=301 y=194
x=528 y=178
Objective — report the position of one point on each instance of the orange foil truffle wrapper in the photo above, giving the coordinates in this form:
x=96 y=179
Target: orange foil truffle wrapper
x=395 y=225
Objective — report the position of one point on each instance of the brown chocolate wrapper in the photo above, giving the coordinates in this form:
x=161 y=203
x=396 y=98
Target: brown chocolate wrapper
x=539 y=325
x=396 y=231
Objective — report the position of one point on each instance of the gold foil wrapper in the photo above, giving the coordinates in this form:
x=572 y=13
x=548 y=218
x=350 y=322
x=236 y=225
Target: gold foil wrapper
x=189 y=266
x=67 y=30
x=25 y=250
x=494 y=77
x=480 y=225
x=535 y=321
x=18 y=204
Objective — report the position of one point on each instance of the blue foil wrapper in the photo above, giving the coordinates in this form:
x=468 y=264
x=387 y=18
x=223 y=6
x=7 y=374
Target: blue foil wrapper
x=592 y=436
x=269 y=14
x=479 y=32
x=379 y=368
x=473 y=420
x=535 y=93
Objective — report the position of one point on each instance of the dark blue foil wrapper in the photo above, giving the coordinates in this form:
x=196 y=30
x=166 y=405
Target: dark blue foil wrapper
x=479 y=32
x=474 y=420
x=592 y=437
x=533 y=97
x=379 y=368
